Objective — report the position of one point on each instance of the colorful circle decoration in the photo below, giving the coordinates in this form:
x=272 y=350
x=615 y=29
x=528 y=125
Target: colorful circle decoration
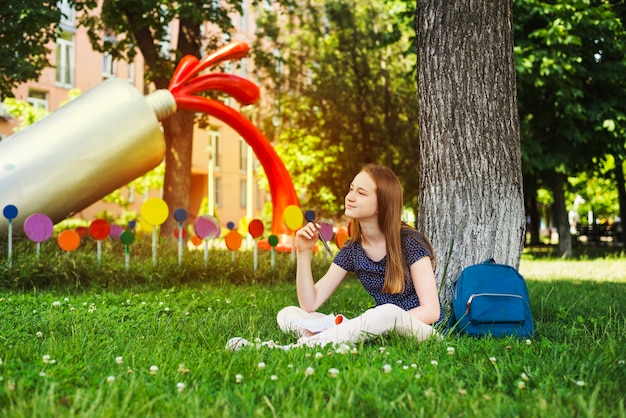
x=341 y=236
x=10 y=212
x=230 y=225
x=233 y=240
x=154 y=211
x=293 y=217
x=326 y=231
x=206 y=227
x=256 y=228
x=272 y=240
x=196 y=240
x=38 y=227
x=309 y=215
x=180 y=215
x=99 y=229
x=82 y=231
x=177 y=233
x=68 y=240
x=116 y=231
x=127 y=237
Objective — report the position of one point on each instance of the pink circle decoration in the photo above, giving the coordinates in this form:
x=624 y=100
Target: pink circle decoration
x=38 y=227
x=206 y=226
x=326 y=231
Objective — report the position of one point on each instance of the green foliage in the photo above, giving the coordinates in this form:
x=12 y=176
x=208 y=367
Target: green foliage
x=156 y=348
x=569 y=59
x=26 y=27
x=342 y=75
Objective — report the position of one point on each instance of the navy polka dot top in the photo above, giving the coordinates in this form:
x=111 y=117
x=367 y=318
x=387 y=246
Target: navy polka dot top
x=352 y=257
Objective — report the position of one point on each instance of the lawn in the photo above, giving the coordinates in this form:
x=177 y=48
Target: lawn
x=81 y=339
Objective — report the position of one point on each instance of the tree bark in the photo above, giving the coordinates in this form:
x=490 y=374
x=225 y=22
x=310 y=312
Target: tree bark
x=178 y=132
x=471 y=192
x=621 y=193
x=560 y=215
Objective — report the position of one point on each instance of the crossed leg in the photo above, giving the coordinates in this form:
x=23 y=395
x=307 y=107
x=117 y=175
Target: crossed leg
x=372 y=323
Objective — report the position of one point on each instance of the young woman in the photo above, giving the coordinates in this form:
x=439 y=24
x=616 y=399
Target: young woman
x=393 y=261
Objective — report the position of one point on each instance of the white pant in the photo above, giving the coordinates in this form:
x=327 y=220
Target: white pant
x=372 y=323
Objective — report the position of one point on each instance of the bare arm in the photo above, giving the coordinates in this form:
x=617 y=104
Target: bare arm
x=426 y=288
x=311 y=294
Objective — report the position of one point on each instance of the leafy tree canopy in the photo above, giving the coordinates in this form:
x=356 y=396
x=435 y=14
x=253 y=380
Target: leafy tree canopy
x=26 y=28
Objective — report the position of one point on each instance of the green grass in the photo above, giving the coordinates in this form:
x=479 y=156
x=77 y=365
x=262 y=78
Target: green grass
x=179 y=318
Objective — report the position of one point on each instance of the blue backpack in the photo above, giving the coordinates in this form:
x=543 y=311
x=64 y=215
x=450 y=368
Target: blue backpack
x=491 y=299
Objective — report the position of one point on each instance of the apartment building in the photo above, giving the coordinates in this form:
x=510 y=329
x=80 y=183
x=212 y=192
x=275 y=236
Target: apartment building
x=224 y=169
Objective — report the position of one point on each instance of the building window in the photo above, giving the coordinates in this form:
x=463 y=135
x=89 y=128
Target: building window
x=65 y=60
x=108 y=66
x=216 y=149
x=131 y=73
x=243 y=193
x=218 y=191
x=38 y=99
x=243 y=155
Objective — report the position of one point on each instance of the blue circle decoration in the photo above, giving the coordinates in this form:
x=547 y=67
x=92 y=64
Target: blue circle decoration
x=180 y=215
x=10 y=212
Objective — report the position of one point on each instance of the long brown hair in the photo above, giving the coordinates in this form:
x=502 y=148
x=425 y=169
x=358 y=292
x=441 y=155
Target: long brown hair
x=390 y=205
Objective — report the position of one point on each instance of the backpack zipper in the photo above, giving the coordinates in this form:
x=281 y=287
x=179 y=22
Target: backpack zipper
x=472 y=296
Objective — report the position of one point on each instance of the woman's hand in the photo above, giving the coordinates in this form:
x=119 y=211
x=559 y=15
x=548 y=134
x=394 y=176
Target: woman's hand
x=306 y=237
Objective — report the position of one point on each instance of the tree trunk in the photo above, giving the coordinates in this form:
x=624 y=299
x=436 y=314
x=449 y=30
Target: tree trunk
x=178 y=132
x=560 y=215
x=471 y=192
x=621 y=193
x=532 y=211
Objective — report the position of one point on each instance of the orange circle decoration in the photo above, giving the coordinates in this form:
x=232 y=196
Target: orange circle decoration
x=256 y=228
x=293 y=217
x=99 y=229
x=68 y=240
x=154 y=211
x=196 y=240
x=233 y=240
x=341 y=236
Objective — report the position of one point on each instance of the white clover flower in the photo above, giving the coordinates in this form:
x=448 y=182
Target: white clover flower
x=72 y=309
x=621 y=362
x=354 y=350
x=39 y=334
x=154 y=369
x=382 y=349
x=413 y=366
x=290 y=366
x=521 y=385
x=66 y=299
x=450 y=351
x=524 y=377
x=434 y=362
x=46 y=358
x=398 y=361
x=418 y=376
x=405 y=367
x=128 y=301
x=119 y=359
x=238 y=378
x=42 y=374
x=493 y=359
x=161 y=303
x=261 y=365
x=580 y=383
x=462 y=391
x=429 y=392
x=167 y=309
x=228 y=301
x=273 y=377
x=528 y=342
x=180 y=386
x=387 y=368
x=56 y=303
x=309 y=371
x=333 y=372
x=318 y=355
x=110 y=379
